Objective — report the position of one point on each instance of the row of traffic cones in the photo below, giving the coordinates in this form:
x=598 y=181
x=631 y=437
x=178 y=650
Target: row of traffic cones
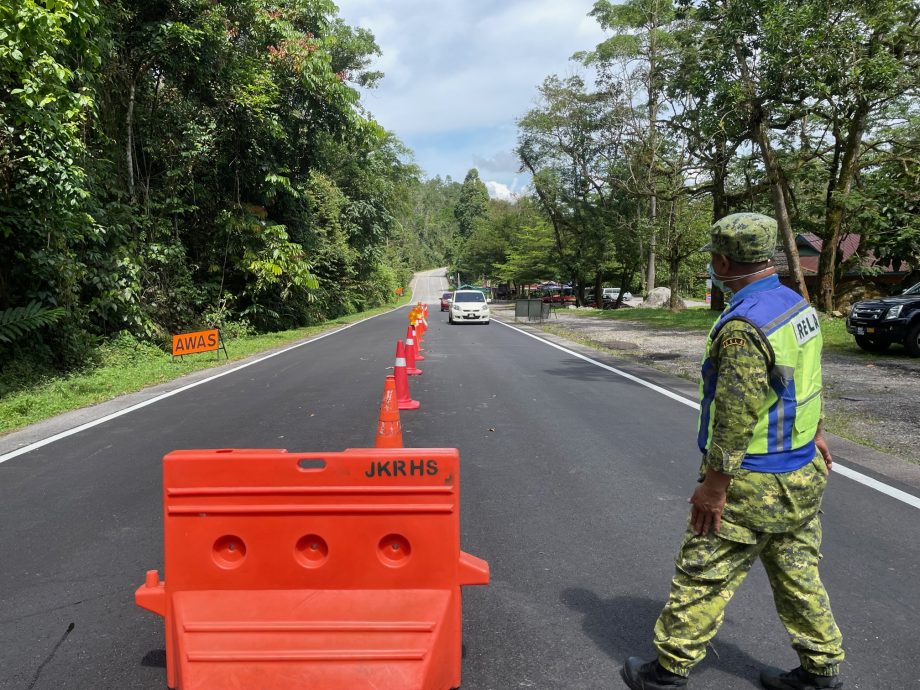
x=396 y=395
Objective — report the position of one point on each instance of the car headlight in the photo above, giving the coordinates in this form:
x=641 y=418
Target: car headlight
x=455 y=307
x=894 y=312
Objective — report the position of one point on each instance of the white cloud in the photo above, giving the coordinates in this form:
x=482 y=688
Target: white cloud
x=460 y=72
x=500 y=191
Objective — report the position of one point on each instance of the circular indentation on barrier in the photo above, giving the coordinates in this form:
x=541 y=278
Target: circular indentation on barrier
x=394 y=550
x=229 y=551
x=311 y=551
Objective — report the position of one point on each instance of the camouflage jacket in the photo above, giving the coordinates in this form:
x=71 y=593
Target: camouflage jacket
x=757 y=501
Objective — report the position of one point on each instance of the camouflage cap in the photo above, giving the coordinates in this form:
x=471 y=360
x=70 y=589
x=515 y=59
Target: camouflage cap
x=746 y=237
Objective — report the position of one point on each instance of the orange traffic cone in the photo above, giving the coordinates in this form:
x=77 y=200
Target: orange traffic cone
x=389 y=429
x=422 y=328
x=419 y=341
x=412 y=335
x=403 y=398
x=411 y=354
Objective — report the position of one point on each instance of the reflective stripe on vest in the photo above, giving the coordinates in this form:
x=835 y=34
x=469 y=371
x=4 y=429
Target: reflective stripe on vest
x=787 y=421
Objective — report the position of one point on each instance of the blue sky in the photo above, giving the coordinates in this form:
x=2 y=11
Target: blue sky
x=459 y=73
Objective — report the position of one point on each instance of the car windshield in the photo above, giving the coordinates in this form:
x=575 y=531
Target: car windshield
x=469 y=297
x=915 y=290
x=446 y=295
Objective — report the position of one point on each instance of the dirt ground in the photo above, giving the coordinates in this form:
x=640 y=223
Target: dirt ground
x=874 y=400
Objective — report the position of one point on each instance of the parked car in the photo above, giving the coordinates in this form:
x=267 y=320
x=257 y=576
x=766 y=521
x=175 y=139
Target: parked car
x=877 y=323
x=611 y=294
x=562 y=299
x=468 y=306
x=445 y=301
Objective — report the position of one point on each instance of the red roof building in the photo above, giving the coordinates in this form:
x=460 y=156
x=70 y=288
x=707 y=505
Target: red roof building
x=860 y=265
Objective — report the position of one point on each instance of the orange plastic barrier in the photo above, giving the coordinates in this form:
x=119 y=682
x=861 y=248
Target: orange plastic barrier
x=327 y=571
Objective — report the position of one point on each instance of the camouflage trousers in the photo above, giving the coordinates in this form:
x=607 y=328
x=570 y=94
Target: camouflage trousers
x=711 y=568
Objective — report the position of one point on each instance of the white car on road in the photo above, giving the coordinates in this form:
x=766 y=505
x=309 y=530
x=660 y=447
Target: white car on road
x=468 y=306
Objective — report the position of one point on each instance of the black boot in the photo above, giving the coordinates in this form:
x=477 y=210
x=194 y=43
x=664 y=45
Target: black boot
x=650 y=675
x=797 y=679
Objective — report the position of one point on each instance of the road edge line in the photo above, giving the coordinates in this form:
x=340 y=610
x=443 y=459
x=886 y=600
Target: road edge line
x=35 y=445
x=847 y=472
x=619 y=372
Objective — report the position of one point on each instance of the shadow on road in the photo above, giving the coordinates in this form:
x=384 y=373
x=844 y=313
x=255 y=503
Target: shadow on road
x=622 y=627
x=155 y=658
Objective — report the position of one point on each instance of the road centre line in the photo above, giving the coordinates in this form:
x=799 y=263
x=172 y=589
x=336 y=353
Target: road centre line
x=863 y=479
x=102 y=420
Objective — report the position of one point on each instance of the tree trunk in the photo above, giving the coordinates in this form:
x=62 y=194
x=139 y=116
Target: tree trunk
x=673 y=259
x=719 y=173
x=652 y=142
x=129 y=144
x=835 y=212
x=719 y=209
x=758 y=126
x=674 y=282
x=598 y=289
x=780 y=209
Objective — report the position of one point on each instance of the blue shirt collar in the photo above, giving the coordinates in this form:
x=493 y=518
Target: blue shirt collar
x=761 y=285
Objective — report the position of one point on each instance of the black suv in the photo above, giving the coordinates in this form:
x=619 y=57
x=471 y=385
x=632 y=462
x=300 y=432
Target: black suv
x=877 y=323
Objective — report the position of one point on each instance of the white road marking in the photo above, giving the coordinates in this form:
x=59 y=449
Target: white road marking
x=102 y=420
x=902 y=496
x=619 y=372
x=863 y=479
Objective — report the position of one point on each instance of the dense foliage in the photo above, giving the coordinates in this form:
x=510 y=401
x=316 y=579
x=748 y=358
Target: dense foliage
x=170 y=164
x=802 y=109
x=166 y=164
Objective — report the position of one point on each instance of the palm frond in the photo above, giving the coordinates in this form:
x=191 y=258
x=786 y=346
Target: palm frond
x=15 y=322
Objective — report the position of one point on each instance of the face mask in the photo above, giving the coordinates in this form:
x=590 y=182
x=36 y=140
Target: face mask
x=715 y=280
x=719 y=281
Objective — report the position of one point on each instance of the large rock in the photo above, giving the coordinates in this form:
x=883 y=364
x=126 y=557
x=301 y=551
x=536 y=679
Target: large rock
x=660 y=298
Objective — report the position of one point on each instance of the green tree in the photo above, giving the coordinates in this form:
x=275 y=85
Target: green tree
x=641 y=43
x=165 y=162
x=473 y=204
x=47 y=60
x=579 y=147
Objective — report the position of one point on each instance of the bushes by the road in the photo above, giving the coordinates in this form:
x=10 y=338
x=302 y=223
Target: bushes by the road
x=124 y=364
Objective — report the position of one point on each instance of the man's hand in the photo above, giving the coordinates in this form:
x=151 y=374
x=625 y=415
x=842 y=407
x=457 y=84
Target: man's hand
x=708 y=501
x=821 y=444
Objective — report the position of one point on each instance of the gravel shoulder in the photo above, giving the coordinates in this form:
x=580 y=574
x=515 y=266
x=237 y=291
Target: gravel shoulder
x=872 y=401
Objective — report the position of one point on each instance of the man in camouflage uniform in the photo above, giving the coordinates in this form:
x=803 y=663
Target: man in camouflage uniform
x=762 y=475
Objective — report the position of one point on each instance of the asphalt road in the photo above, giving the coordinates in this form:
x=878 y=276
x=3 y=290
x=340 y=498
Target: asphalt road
x=574 y=489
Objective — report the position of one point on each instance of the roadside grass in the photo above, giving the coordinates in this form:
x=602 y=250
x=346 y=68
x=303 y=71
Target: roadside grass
x=576 y=337
x=841 y=425
x=692 y=319
x=833 y=329
x=127 y=365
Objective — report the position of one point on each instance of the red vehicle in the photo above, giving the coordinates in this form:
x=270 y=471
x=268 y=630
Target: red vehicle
x=560 y=300
x=445 y=301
